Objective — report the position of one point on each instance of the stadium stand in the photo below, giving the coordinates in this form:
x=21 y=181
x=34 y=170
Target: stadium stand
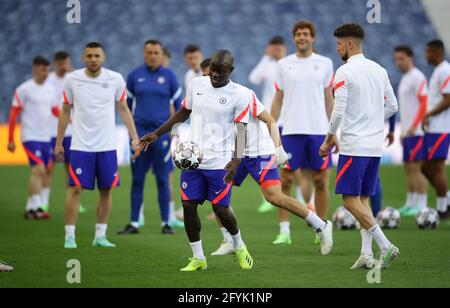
x=40 y=27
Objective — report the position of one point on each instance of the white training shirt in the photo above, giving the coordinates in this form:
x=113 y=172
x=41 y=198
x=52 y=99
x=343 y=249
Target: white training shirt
x=412 y=92
x=265 y=73
x=439 y=85
x=58 y=84
x=214 y=114
x=36 y=102
x=303 y=82
x=364 y=99
x=190 y=75
x=259 y=142
x=93 y=114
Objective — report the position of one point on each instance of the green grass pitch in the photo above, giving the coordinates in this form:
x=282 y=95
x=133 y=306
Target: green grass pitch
x=153 y=260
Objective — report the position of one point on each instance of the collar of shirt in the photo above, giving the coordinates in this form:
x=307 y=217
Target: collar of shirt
x=157 y=70
x=356 y=57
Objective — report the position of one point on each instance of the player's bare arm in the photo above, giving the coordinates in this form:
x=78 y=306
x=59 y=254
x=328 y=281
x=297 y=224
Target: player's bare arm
x=64 y=120
x=238 y=153
x=329 y=101
x=277 y=104
x=441 y=107
x=272 y=125
x=180 y=117
x=127 y=118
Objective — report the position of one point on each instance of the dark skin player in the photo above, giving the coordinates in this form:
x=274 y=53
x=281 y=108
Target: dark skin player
x=221 y=67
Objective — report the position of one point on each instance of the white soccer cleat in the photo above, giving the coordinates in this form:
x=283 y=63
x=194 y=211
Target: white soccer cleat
x=225 y=249
x=388 y=256
x=326 y=239
x=365 y=262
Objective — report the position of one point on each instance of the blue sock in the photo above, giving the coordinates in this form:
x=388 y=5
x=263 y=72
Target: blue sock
x=377 y=199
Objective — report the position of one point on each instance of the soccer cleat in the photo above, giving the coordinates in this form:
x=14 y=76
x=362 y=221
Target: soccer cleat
x=167 y=230
x=70 y=243
x=176 y=224
x=244 y=258
x=41 y=214
x=411 y=212
x=365 y=262
x=317 y=239
x=283 y=239
x=45 y=207
x=388 y=256
x=265 y=207
x=326 y=239
x=30 y=215
x=129 y=229
x=103 y=242
x=195 y=265
x=444 y=215
x=4 y=268
x=403 y=210
x=226 y=248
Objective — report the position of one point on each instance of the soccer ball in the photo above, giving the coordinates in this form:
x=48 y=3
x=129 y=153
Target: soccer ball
x=344 y=220
x=389 y=218
x=427 y=219
x=187 y=156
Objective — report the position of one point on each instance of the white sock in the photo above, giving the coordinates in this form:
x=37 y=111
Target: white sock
x=197 y=250
x=45 y=195
x=100 y=230
x=441 y=204
x=410 y=199
x=172 y=211
x=422 y=201
x=315 y=221
x=448 y=197
x=299 y=195
x=141 y=212
x=70 y=231
x=380 y=238
x=135 y=224
x=29 y=204
x=226 y=235
x=237 y=241
x=285 y=227
x=36 y=202
x=366 y=248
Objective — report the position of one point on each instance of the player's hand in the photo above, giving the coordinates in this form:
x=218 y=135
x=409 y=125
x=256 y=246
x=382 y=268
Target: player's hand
x=59 y=153
x=147 y=140
x=231 y=167
x=327 y=145
x=411 y=132
x=336 y=146
x=11 y=147
x=282 y=156
x=426 y=122
x=390 y=139
x=137 y=148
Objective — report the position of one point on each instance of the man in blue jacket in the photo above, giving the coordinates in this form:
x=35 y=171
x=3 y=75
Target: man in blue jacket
x=152 y=89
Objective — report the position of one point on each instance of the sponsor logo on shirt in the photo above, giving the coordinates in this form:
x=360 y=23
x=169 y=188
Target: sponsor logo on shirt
x=223 y=101
x=79 y=171
x=184 y=185
x=38 y=153
x=161 y=80
x=105 y=85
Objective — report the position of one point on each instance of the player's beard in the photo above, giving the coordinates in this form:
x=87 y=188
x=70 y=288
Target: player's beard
x=345 y=57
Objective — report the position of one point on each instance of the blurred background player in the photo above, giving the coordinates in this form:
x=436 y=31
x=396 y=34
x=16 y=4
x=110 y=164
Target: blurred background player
x=216 y=101
x=152 y=89
x=412 y=98
x=92 y=94
x=364 y=99
x=304 y=96
x=36 y=100
x=193 y=57
x=205 y=66
x=436 y=124
x=167 y=57
x=4 y=267
x=62 y=66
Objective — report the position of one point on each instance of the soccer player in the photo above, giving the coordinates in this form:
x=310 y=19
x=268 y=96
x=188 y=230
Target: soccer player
x=261 y=159
x=193 y=57
x=364 y=98
x=167 y=57
x=436 y=124
x=152 y=89
x=205 y=66
x=217 y=107
x=304 y=96
x=412 y=98
x=92 y=94
x=36 y=100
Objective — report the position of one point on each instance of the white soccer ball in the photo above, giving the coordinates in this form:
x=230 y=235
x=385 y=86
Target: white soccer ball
x=187 y=156
x=389 y=218
x=344 y=220
x=427 y=219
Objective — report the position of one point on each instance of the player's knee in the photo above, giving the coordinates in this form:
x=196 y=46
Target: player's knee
x=105 y=194
x=320 y=182
x=75 y=191
x=189 y=208
x=138 y=183
x=39 y=170
x=273 y=198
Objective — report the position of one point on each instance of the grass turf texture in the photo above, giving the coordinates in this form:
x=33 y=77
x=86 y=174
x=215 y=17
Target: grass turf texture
x=153 y=260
